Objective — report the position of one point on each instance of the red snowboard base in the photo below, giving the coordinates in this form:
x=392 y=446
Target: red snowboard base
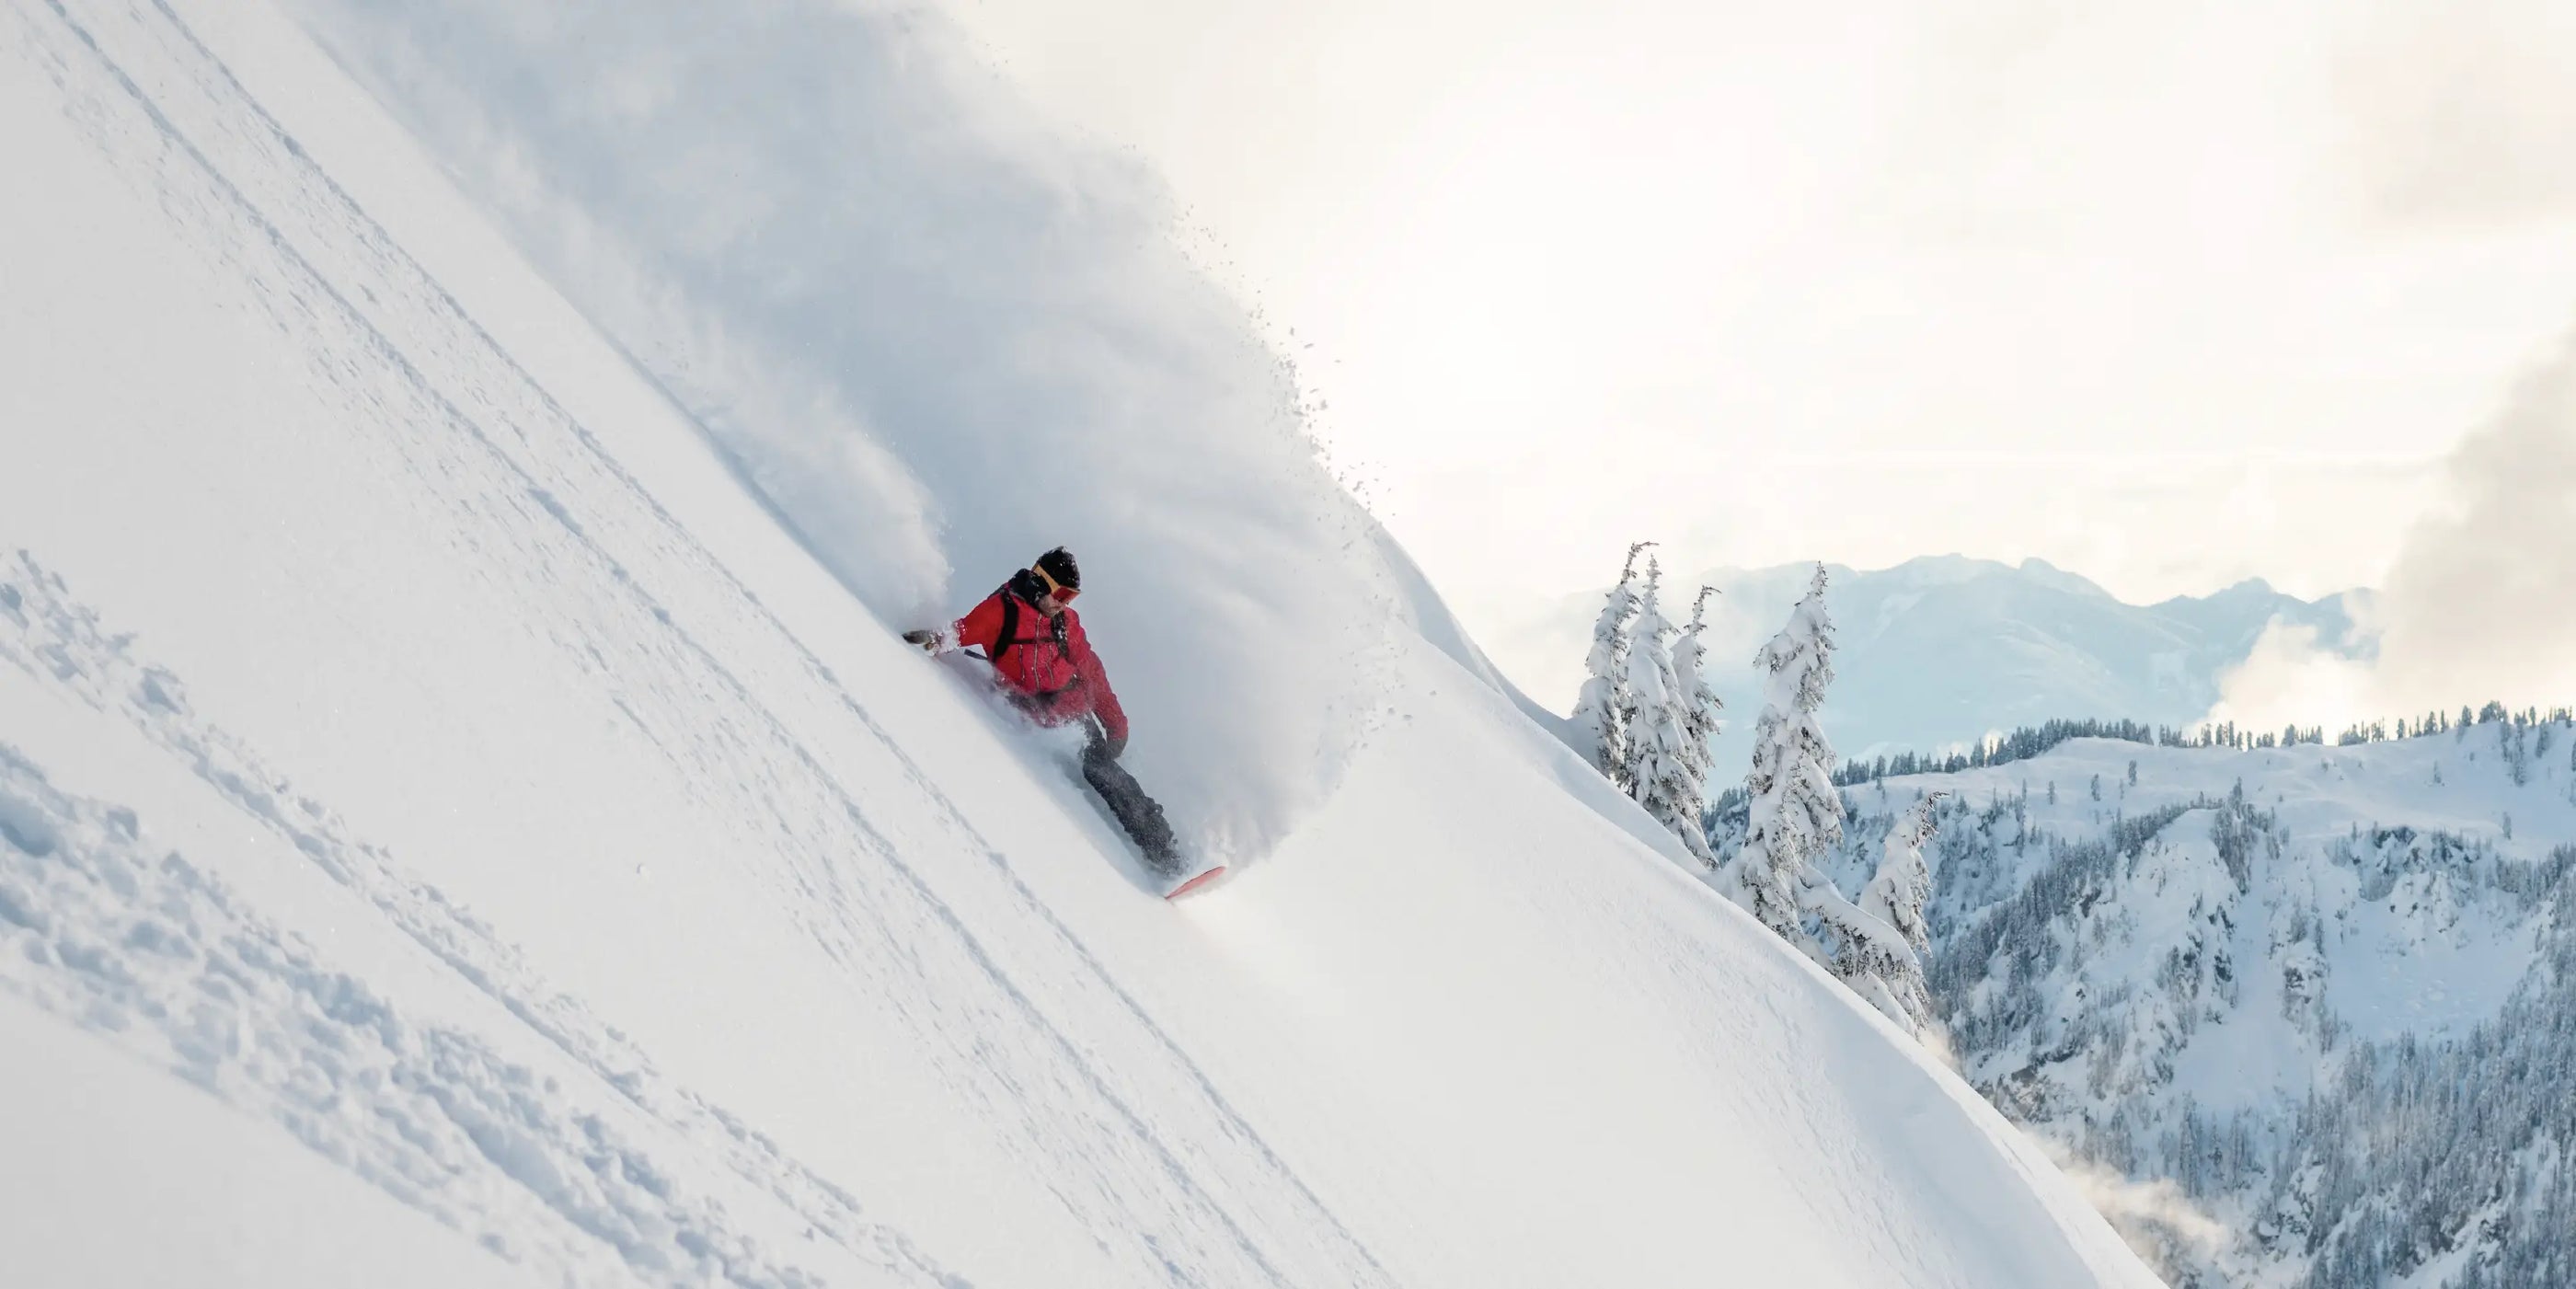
x=1200 y=882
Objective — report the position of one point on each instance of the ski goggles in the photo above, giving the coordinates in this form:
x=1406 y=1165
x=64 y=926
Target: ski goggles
x=1062 y=594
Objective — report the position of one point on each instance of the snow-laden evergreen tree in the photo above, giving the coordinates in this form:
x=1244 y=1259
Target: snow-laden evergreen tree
x=1794 y=814
x=1656 y=740
x=1864 y=952
x=1600 y=709
x=1701 y=709
x=1793 y=811
x=1896 y=897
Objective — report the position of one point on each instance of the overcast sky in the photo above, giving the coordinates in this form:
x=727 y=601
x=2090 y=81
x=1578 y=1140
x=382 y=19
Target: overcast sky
x=2168 y=293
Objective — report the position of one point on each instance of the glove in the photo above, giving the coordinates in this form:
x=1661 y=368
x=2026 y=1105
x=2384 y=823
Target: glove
x=1114 y=744
x=928 y=641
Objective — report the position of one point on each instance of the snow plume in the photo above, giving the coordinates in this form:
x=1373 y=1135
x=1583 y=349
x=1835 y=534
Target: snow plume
x=2476 y=605
x=936 y=338
x=2144 y=1212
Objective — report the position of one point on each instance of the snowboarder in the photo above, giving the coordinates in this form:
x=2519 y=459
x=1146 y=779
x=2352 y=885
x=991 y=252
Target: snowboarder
x=1034 y=640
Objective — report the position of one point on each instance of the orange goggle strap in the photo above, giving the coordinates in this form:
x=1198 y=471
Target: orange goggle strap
x=1053 y=586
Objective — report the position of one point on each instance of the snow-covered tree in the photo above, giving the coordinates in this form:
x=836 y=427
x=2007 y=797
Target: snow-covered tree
x=1793 y=812
x=1701 y=705
x=1794 y=816
x=1895 y=898
x=1658 y=766
x=1865 y=953
x=1600 y=709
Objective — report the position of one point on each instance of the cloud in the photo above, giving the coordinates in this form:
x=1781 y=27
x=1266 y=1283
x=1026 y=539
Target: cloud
x=2290 y=679
x=2481 y=602
x=2461 y=113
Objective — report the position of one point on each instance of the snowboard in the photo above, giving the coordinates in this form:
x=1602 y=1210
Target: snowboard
x=1195 y=882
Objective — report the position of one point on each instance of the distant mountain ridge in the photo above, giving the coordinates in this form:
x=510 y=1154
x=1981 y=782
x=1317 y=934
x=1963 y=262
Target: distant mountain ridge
x=1944 y=649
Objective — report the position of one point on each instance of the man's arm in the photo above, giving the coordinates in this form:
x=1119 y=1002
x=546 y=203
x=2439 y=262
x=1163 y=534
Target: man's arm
x=1104 y=700
x=982 y=626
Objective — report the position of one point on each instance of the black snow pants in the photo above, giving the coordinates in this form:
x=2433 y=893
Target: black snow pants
x=1139 y=814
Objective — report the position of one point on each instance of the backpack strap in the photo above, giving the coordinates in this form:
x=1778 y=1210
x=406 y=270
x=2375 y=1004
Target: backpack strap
x=1010 y=632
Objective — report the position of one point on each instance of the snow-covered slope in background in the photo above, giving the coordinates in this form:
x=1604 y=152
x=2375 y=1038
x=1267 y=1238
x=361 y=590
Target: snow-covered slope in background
x=1944 y=650
x=2318 y=1004
x=451 y=831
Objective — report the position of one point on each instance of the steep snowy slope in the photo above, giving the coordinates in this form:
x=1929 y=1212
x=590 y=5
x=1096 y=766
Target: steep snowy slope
x=428 y=762
x=2321 y=993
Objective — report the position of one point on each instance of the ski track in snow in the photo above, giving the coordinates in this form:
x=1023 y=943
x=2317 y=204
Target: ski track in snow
x=533 y=488
x=166 y=956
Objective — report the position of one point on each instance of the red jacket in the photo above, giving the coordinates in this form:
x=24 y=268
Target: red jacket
x=1047 y=664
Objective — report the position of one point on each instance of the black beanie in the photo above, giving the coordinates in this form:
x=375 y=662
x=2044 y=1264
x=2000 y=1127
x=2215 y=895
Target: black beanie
x=1058 y=564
